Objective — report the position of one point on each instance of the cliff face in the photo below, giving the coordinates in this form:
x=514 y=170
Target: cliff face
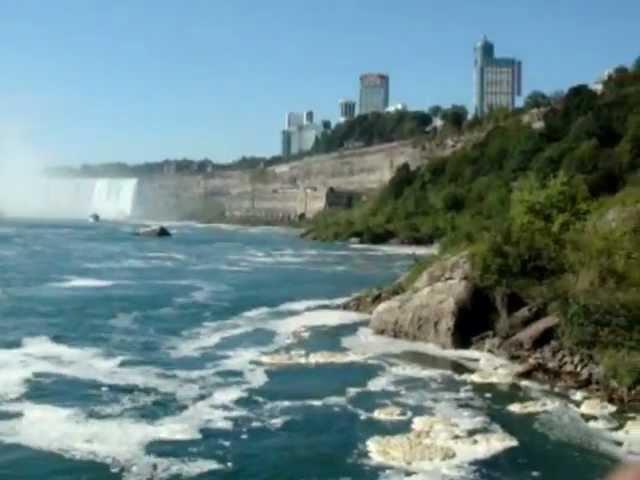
x=278 y=193
x=282 y=192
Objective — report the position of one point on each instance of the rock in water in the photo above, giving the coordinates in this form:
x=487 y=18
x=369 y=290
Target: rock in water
x=443 y=307
x=159 y=231
x=94 y=218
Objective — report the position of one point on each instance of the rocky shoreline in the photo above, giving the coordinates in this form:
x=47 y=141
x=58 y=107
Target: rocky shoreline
x=445 y=307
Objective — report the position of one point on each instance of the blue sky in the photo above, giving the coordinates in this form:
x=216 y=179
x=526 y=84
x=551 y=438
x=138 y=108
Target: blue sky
x=87 y=81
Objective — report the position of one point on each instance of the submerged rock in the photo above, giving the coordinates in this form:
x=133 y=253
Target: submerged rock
x=443 y=307
x=158 y=231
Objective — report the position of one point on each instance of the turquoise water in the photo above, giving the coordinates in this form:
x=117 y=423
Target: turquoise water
x=137 y=358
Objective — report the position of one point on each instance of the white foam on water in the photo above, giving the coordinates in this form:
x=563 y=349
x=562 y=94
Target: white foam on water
x=439 y=444
x=396 y=249
x=367 y=342
x=128 y=402
x=391 y=413
x=597 y=408
x=131 y=263
x=534 y=406
x=207 y=336
x=124 y=320
x=42 y=355
x=203 y=291
x=566 y=424
x=169 y=255
x=296 y=306
x=83 y=282
x=118 y=442
x=315 y=358
x=215 y=411
x=228 y=268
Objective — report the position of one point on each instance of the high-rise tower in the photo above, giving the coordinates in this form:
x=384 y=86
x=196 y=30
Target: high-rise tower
x=347 y=110
x=374 y=92
x=497 y=81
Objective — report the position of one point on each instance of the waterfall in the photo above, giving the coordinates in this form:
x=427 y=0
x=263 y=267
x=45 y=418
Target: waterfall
x=113 y=198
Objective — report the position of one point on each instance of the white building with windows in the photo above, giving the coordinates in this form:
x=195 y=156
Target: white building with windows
x=497 y=81
x=300 y=133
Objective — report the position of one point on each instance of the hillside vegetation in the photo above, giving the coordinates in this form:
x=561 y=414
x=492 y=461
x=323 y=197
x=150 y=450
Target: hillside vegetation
x=377 y=127
x=552 y=214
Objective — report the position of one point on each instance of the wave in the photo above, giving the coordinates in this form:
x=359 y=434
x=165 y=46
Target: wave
x=206 y=337
x=169 y=255
x=397 y=249
x=82 y=282
x=38 y=355
x=116 y=440
x=120 y=443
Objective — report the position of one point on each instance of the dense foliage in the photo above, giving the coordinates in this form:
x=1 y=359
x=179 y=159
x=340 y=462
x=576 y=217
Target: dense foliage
x=372 y=129
x=553 y=214
x=537 y=99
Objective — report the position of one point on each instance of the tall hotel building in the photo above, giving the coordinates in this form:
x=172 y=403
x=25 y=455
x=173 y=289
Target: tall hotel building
x=497 y=81
x=347 y=110
x=300 y=133
x=374 y=93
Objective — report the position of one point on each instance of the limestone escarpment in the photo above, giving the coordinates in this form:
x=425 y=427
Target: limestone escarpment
x=282 y=192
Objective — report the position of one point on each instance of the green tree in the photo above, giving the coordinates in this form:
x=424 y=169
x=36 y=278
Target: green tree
x=556 y=97
x=532 y=245
x=435 y=111
x=455 y=115
x=620 y=70
x=537 y=99
x=453 y=200
x=636 y=65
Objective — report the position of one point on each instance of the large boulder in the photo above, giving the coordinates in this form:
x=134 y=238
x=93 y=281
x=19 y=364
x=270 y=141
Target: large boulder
x=444 y=307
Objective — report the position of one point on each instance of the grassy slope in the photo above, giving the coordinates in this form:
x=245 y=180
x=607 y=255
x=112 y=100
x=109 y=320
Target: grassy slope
x=553 y=215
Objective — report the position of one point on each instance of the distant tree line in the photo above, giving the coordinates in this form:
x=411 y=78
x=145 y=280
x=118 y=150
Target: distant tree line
x=372 y=129
x=377 y=127
x=182 y=166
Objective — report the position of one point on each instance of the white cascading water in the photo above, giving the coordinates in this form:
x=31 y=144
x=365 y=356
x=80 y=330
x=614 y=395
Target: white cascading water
x=113 y=198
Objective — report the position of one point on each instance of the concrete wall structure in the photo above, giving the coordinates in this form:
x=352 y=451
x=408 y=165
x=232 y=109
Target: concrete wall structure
x=285 y=191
